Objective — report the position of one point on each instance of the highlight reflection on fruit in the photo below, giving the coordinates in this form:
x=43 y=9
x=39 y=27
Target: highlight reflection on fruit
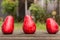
x=52 y=26
x=29 y=27
x=8 y=25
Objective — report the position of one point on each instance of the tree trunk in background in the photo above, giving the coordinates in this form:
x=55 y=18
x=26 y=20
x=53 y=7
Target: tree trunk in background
x=46 y=5
x=21 y=8
x=58 y=12
x=58 y=7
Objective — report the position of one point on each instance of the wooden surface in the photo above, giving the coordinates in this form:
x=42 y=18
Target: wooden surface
x=39 y=35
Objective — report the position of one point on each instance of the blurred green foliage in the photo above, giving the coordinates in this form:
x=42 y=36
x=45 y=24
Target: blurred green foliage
x=38 y=12
x=9 y=6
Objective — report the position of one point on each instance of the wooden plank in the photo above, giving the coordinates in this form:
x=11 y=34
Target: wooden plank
x=39 y=35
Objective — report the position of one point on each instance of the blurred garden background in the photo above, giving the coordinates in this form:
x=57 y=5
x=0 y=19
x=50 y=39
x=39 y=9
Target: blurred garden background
x=40 y=10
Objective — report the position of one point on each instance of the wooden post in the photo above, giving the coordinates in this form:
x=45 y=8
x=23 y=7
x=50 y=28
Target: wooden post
x=54 y=13
x=35 y=1
x=58 y=7
x=25 y=7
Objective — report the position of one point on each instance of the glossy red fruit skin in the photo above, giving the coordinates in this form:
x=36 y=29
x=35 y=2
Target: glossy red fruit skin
x=29 y=27
x=8 y=25
x=52 y=26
